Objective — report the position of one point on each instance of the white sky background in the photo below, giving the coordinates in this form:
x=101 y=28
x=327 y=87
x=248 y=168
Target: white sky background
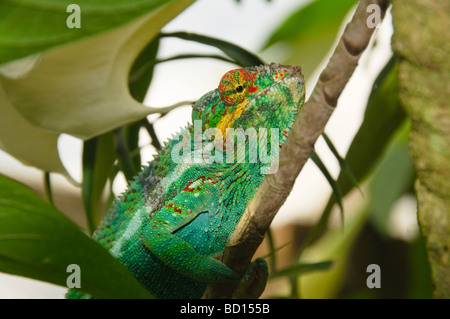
x=246 y=24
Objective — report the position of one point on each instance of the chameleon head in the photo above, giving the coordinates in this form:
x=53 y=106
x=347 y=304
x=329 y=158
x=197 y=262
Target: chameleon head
x=266 y=96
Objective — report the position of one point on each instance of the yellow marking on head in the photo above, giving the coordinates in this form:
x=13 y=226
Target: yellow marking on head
x=229 y=119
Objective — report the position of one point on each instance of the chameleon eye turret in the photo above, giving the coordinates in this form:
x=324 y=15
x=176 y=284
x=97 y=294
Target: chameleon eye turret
x=235 y=86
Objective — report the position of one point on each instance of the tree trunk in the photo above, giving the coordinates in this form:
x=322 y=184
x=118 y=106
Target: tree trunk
x=422 y=41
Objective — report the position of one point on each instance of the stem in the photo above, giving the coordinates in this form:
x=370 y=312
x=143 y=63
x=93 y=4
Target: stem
x=151 y=131
x=273 y=258
x=136 y=75
x=48 y=188
x=123 y=154
x=242 y=56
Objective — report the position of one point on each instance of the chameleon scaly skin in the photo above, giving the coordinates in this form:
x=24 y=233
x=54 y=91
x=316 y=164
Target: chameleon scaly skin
x=181 y=209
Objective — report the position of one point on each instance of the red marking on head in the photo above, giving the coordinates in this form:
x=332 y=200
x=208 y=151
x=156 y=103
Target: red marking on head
x=188 y=189
x=252 y=89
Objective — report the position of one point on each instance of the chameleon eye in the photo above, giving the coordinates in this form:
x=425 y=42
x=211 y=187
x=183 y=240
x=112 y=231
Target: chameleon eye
x=235 y=86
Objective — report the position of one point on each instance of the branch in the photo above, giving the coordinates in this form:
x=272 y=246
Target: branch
x=309 y=125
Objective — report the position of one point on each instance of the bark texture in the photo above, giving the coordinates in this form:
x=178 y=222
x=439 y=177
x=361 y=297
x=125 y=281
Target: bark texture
x=422 y=41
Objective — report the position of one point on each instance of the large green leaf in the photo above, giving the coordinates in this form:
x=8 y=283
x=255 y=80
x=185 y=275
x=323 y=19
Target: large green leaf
x=37 y=241
x=43 y=23
x=25 y=142
x=80 y=88
x=309 y=33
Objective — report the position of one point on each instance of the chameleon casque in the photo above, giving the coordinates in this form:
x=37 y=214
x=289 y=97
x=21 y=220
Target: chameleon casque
x=177 y=215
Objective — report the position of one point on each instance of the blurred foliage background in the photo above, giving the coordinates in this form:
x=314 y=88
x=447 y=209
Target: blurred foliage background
x=90 y=83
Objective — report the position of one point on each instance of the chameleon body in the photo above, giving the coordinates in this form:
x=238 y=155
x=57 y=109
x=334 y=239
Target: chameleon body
x=180 y=211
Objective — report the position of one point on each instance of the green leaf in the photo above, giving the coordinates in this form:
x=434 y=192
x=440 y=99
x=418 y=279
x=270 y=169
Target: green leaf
x=25 y=142
x=382 y=118
x=273 y=256
x=123 y=154
x=334 y=186
x=342 y=163
x=309 y=33
x=197 y=56
x=37 y=241
x=132 y=140
x=81 y=88
x=141 y=72
x=151 y=131
x=44 y=22
x=240 y=55
x=392 y=178
x=98 y=160
x=48 y=188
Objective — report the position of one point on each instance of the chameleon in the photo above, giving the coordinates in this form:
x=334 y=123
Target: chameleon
x=179 y=212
